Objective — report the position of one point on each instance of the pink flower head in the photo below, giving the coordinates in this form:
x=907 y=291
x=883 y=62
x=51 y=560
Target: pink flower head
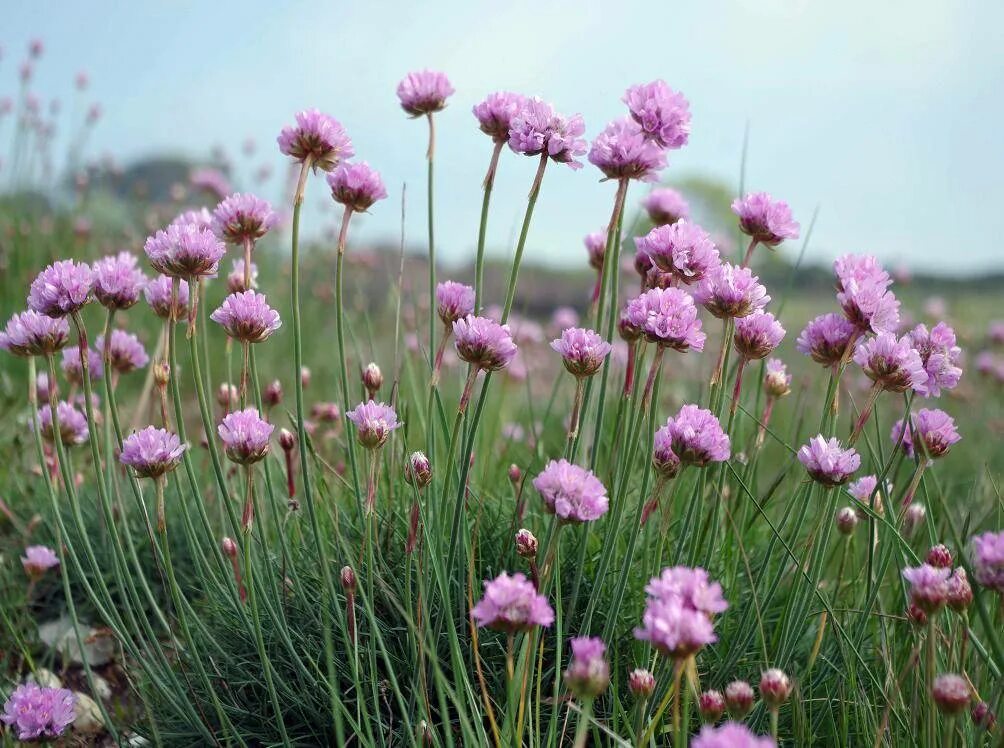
x=72 y=424
x=511 y=604
x=118 y=281
x=453 y=301
x=152 y=452
x=424 y=92
x=243 y=217
x=538 y=129
x=960 y=593
x=951 y=693
x=697 y=437
x=200 y=218
x=692 y=586
x=158 y=295
x=73 y=369
x=212 y=181
x=246 y=316
x=664 y=459
x=664 y=114
x=766 y=220
x=634 y=315
x=757 y=335
x=730 y=735
x=483 y=342
x=356 y=186
x=940 y=356
x=37 y=560
x=928 y=586
x=862 y=291
x=316 y=138
x=374 y=423
x=496 y=112
x=622 y=151
x=63 y=288
x=37 y=712
x=665 y=205
x=588 y=673
x=582 y=351
x=682 y=249
x=235 y=280
x=571 y=493
x=245 y=436
x=125 y=351
x=827 y=462
x=670 y=319
x=825 y=338
x=776 y=379
x=731 y=291
x=673 y=627
x=935 y=428
x=185 y=251
x=596 y=247
x=33 y=334
x=987 y=557
x=891 y=362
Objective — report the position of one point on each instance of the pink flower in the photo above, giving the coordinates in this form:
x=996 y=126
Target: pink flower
x=245 y=436
x=484 y=343
x=118 y=282
x=935 y=428
x=825 y=338
x=582 y=351
x=683 y=249
x=664 y=114
x=64 y=287
x=693 y=586
x=928 y=586
x=862 y=291
x=374 y=423
x=496 y=112
x=72 y=424
x=37 y=712
x=596 y=247
x=33 y=334
x=757 y=335
x=940 y=356
x=538 y=129
x=185 y=250
x=892 y=363
x=571 y=493
x=152 y=452
x=424 y=92
x=679 y=610
x=730 y=291
x=668 y=317
x=987 y=556
x=827 y=462
x=511 y=604
x=622 y=151
x=356 y=186
x=665 y=205
x=453 y=301
x=37 y=560
x=766 y=220
x=316 y=138
x=730 y=735
x=588 y=673
x=158 y=295
x=243 y=217
x=125 y=351
x=697 y=437
x=246 y=316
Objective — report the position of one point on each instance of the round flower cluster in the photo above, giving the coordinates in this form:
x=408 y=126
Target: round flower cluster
x=511 y=604
x=582 y=351
x=571 y=493
x=679 y=611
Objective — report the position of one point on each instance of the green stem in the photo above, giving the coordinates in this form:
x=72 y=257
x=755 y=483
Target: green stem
x=523 y=232
x=343 y=364
x=479 y=263
x=582 y=729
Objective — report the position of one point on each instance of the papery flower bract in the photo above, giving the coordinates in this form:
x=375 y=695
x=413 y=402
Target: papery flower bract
x=730 y=291
x=483 y=342
x=697 y=437
x=72 y=424
x=246 y=316
x=63 y=288
x=682 y=249
x=622 y=151
x=862 y=291
x=670 y=319
x=374 y=423
x=571 y=493
x=588 y=673
x=987 y=557
x=928 y=586
x=152 y=452
x=424 y=92
x=356 y=186
x=245 y=436
x=757 y=335
x=185 y=251
x=935 y=428
x=496 y=112
x=316 y=138
x=662 y=113
x=730 y=735
x=890 y=362
x=118 y=281
x=453 y=301
x=125 y=351
x=940 y=357
x=537 y=128
x=827 y=462
x=665 y=205
x=766 y=220
x=158 y=295
x=825 y=338
x=243 y=217
x=71 y=364
x=511 y=604
x=691 y=585
x=37 y=560
x=30 y=333
x=582 y=351
x=776 y=379
x=38 y=712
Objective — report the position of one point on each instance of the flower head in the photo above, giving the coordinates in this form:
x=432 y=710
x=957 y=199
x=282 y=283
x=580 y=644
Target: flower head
x=776 y=379
x=928 y=586
x=158 y=295
x=683 y=249
x=960 y=593
x=582 y=351
x=235 y=280
x=739 y=698
x=766 y=220
x=418 y=470
x=774 y=687
x=38 y=712
x=678 y=611
x=825 y=338
x=483 y=342
x=667 y=316
x=664 y=459
x=730 y=735
x=862 y=291
x=730 y=291
x=757 y=335
x=453 y=301
x=935 y=428
x=374 y=423
x=245 y=436
x=526 y=543
x=200 y=218
x=622 y=151
x=665 y=205
x=496 y=112
x=73 y=368
x=588 y=672
x=697 y=437
x=72 y=424
x=424 y=92
x=63 y=288
x=987 y=557
x=693 y=586
x=537 y=128
x=33 y=334
x=356 y=186
x=596 y=247
x=940 y=356
x=316 y=138
x=827 y=462
x=511 y=604
x=243 y=217
x=571 y=493
x=37 y=560
x=711 y=705
x=664 y=114
x=641 y=683
x=185 y=251
x=891 y=362
x=118 y=281
x=152 y=452
x=246 y=316
x=212 y=181
x=951 y=693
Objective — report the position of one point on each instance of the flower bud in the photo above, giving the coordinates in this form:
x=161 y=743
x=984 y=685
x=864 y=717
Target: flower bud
x=960 y=593
x=418 y=470
x=914 y=517
x=916 y=615
x=641 y=683
x=847 y=520
x=982 y=716
x=229 y=548
x=286 y=439
x=711 y=705
x=526 y=543
x=226 y=396
x=161 y=373
x=372 y=379
x=951 y=693
x=348 y=578
x=939 y=557
x=273 y=393
x=739 y=698
x=514 y=473
x=304 y=377
x=774 y=687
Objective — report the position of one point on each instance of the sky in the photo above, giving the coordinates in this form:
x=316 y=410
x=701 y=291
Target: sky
x=886 y=116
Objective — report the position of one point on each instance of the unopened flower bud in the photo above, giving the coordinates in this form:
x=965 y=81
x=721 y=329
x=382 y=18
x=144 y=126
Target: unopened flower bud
x=847 y=520
x=641 y=683
x=161 y=373
x=711 y=705
x=951 y=693
x=286 y=439
x=526 y=543
x=774 y=687
x=226 y=396
x=916 y=615
x=229 y=548
x=982 y=716
x=348 y=578
x=739 y=698
x=418 y=470
x=304 y=377
x=914 y=517
x=514 y=473
x=939 y=557
x=372 y=379
x=273 y=393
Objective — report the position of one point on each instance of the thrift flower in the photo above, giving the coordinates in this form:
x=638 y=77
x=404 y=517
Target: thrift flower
x=185 y=251
x=245 y=436
x=940 y=357
x=987 y=556
x=246 y=316
x=424 y=92
x=776 y=379
x=356 y=186
x=37 y=713
x=72 y=368
x=118 y=281
x=64 y=287
x=33 y=334
x=730 y=735
x=158 y=295
x=765 y=220
x=511 y=604
x=483 y=342
x=678 y=612
x=571 y=493
x=152 y=452
x=664 y=114
x=243 y=218
x=862 y=291
x=596 y=247
x=496 y=112
x=951 y=693
x=537 y=128
x=739 y=698
x=72 y=424
x=711 y=705
x=235 y=280
x=665 y=206
x=664 y=459
x=683 y=249
x=928 y=586
x=316 y=138
x=893 y=364
x=757 y=335
x=697 y=437
x=453 y=301
x=622 y=151
x=693 y=586
x=827 y=462
x=374 y=423
x=668 y=317
x=588 y=673
x=582 y=351
x=37 y=560
x=935 y=428
x=730 y=291
x=825 y=339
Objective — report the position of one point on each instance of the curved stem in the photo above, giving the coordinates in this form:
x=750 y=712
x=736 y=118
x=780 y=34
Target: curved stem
x=523 y=232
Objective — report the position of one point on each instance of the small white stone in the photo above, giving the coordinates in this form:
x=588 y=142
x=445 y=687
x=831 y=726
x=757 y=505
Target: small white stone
x=102 y=689
x=44 y=678
x=88 y=719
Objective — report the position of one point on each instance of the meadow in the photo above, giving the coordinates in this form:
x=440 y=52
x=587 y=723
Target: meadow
x=691 y=492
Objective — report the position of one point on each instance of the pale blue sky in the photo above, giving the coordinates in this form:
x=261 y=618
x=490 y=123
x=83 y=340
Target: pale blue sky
x=885 y=114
